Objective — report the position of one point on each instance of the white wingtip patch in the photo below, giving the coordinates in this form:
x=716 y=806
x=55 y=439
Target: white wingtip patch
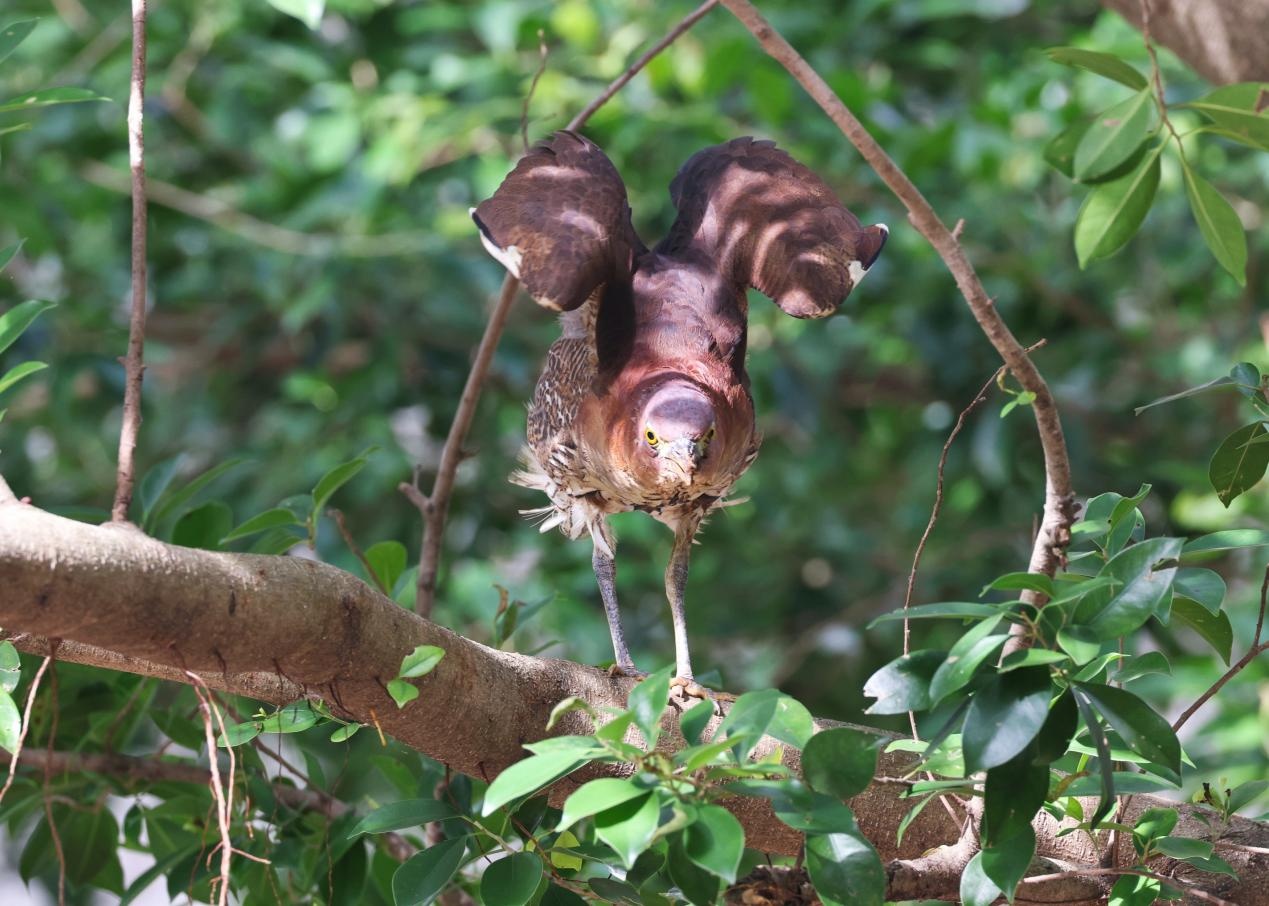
x=885 y=229
x=508 y=257
x=857 y=272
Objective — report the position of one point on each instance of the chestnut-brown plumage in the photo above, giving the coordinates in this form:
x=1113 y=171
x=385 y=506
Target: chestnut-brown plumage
x=644 y=401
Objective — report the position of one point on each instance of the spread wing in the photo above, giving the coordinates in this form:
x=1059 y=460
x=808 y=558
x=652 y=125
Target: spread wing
x=772 y=224
x=560 y=222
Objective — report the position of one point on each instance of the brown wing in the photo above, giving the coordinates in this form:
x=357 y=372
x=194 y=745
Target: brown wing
x=772 y=224
x=560 y=222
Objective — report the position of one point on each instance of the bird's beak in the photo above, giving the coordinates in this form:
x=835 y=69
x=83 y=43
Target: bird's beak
x=684 y=454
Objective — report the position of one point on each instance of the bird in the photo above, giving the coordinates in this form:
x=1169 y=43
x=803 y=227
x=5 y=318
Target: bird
x=644 y=402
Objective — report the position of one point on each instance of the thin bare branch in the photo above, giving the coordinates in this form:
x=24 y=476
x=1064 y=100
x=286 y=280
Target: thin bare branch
x=134 y=363
x=1228 y=675
x=26 y=722
x=434 y=507
x=533 y=86
x=223 y=801
x=1059 y=504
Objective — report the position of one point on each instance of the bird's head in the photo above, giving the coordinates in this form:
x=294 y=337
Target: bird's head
x=676 y=427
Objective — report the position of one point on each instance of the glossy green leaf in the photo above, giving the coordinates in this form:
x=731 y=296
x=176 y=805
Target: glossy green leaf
x=1214 y=384
x=1103 y=64
x=11 y=35
x=405 y=813
x=1123 y=782
x=699 y=886
x=48 y=97
x=1239 y=462
x=1113 y=211
x=596 y=796
x=1218 y=223
x=1055 y=736
x=1006 y=861
x=628 y=828
x=1060 y=152
x=1241 y=111
x=237 y=734
x=1013 y=793
x=845 y=870
x=1203 y=586
x=171 y=501
x=800 y=807
x=1032 y=657
x=1152 y=824
x=402 y=692
x=693 y=721
x=1228 y=540
x=18 y=372
x=1110 y=614
x=423 y=876
x=959 y=610
x=749 y=717
x=293 y=718
x=160 y=869
x=511 y=881
x=840 y=761
x=9 y=252
x=1004 y=716
x=421 y=661
x=1215 y=629
x=1019 y=581
x=1143 y=664
x=1114 y=136
x=1184 y=847
x=904 y=683
x=527 y=776
x=1105 y=766
x=307 y=11
x=387 y=560
x=715 y=841
x=269 y=519
x=18 y=318
x=345 y=733
x=976 y=888
x=203 y=526
x=964 y=659
x=337 y=477
x=1134 y=890
x=1246 y=793
x=1142 y=729
x=791 y=723
x=647 y=702
x=10 y=666
x=10 y=722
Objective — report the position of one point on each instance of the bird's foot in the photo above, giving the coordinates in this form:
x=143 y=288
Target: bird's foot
x=626 y=670
x=683 y=689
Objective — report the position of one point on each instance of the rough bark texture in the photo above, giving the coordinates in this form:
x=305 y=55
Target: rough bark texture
x=273 y=627
x=1222 y=40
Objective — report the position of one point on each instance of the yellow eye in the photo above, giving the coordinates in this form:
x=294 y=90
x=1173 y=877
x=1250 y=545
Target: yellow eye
x=709 y=435
x=651 y=437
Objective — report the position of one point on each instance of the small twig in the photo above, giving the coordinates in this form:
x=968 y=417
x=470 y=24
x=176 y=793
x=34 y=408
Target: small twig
x=533 y=86
x=434 y=507
x=1059 y=499
x=1216 y=686
x=1156 y=76
x=1117 y=872
x=134 y=363
x=26 y=723
x=223 y=801
x=1260 y=618
x=338 y=516
x=55 y=714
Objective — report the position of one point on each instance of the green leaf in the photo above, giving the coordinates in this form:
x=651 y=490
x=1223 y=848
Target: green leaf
x=402 y=692
x=1239 y=462
x=1143 y=664
x=1006 y=862
x=293 y=718
x=17 y=319
x=1203 y=586
x=307 y=11
x=1246 y=793
x=404 y=813
x=800 y=807
x=1152 y=824
x=628 y=828
x=693 y=721
x=160 y=869
x=1113 y=211
x=511 y=881
x=1241 y=111
x=1114 y=136
x=1013 y=793
x=387 y=561
x=1106 y=766
x=1214 y=384
x=9 y=252
x=49 y=97
x=1214 y=628
x=963 y=661
x=1123 y=781
x=904 y=683
x=421 y=661
x=424 y=875
x=959 y=610
x=269 y=519
x=1109 y=615
x=1219 y=224
x=840 y=761
x=1134 y=890
x=1184 y=847
x=1103 y=64
x=18 y=372
x=976 y=888
x=337 y=477
x=1214 y=864
x=597 y=796
x=345 y=733
x=529 y=775
x=10 y=666
x=1228 y=540
x=647 y=701
x=10 y=722
x=1004 y=716
x=1060 y=152
x=237 y=734
x=845 y=869
x=1018 y=581
x=204 y=526
x=748 y=719
x=715 y=841
x=1139 y=725
x=11 y=36
x=698 y=885
x=567 y=706
x=1031 y=657
x=172 y=501
x=792 y=723
x=1054 y=738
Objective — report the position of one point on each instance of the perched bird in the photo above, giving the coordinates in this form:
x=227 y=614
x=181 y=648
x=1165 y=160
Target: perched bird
x=644 y=400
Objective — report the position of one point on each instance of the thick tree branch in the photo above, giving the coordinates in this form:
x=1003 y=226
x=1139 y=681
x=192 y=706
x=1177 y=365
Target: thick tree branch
x=272 y=627
x=434 y=507
x=134 y=362
x=1223 y=41
x=1059 y=502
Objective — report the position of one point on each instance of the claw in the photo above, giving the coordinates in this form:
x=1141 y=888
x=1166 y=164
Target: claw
x=628 y=670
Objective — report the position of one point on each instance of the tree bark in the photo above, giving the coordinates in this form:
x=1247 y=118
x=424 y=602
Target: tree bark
x=277 y=628
x=1222 y=40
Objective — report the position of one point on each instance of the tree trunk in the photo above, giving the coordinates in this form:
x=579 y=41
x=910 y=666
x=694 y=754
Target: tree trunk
x=1222 y=40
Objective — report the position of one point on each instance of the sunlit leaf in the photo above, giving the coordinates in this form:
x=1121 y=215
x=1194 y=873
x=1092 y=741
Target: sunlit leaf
x=49 y=96
x=1142 y=728
x=845 y=870
x=17 y=319
x=1103 y=64
x=1113 y=211
x=1239 y=462
x=11 y=36
x=405 y=813
x=1114 y=136
x=1004 y=716
x=1218 y=223
x=421 y=661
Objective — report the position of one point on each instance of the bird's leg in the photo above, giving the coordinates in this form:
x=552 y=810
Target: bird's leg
x=675 y=586
x=605 y=566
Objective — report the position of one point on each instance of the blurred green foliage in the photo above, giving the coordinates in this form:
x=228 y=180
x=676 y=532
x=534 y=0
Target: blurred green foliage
x=318 y=288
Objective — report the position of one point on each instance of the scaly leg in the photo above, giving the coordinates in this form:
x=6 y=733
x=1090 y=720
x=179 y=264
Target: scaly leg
x=605 y=566
x=675 y=585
